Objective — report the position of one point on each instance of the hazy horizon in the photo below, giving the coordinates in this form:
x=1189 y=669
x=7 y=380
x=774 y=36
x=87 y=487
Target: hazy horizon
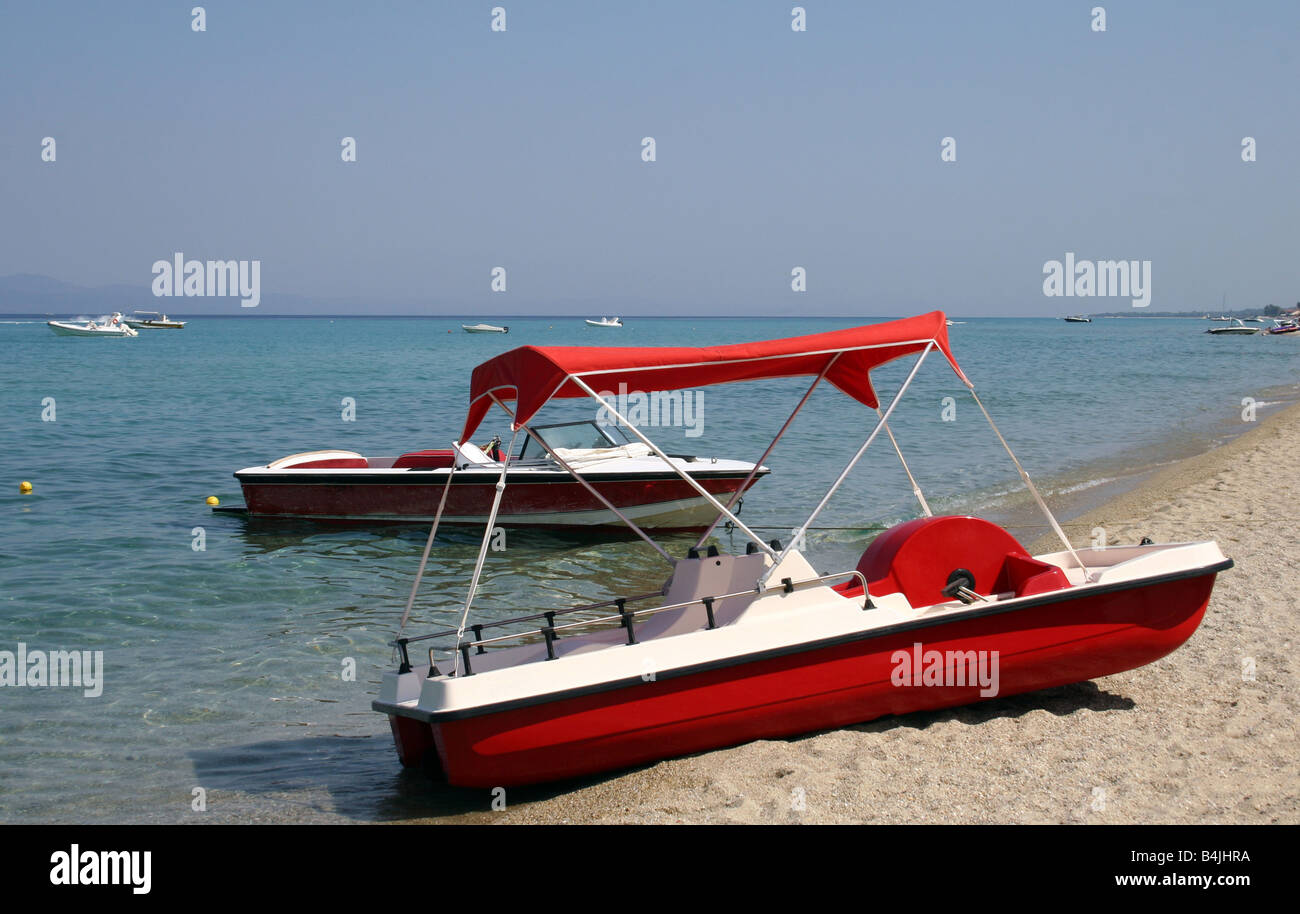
x=775 y=150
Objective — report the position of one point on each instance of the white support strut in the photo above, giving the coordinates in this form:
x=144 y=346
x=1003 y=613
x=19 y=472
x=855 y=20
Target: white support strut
x=428 y=544
x=748 y=479
x=588 y=486
x=799 y=534
x=916 y=488
x=1029 y=484
x=740 y=525
x=483 y=547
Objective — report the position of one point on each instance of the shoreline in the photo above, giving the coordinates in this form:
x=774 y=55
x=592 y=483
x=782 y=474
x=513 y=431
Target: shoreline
x=1121 y=508
x=1188 y=739
x=1077 y=495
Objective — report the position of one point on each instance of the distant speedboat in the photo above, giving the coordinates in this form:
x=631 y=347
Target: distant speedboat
x=1221 y=318
x=484 y=328
x=1078 y=319
x=113 y=327
x=1236 y=328
x=153 y=320
x=619 y=480
x=606 y=322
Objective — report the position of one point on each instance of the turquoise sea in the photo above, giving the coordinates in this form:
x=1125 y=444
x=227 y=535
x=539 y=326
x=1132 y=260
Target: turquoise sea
x=223 y=668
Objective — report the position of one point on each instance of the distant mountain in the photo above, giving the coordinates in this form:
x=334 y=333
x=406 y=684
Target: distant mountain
x=1268 y=310
x=31 y=293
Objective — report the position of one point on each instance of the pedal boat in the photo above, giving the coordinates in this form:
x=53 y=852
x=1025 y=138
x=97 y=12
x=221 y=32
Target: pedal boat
x=939 y=611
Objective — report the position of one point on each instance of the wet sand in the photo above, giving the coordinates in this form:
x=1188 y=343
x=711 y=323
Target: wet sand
x=1188 y=739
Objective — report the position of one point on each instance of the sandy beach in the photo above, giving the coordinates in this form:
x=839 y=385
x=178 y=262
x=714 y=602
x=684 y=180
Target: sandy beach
x=1192 y=738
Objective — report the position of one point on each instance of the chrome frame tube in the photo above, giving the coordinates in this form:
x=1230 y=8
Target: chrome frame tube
x=483 y=547
x=1029 y=484
x=667 y=460
x=799 y=534
x=428 y=545
x=588 y=486
x=916 y=489
x=741 y=491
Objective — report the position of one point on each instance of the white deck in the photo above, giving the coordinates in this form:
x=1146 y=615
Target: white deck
x=751 y=624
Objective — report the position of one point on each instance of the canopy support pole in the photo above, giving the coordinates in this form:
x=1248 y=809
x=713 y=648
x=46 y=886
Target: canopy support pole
x=799 y=534
x=588 y=486
x=672 y=466
x=428 y=545
x=1029 y=484
x=916 y=489
x=750 y=478
x=483 y=547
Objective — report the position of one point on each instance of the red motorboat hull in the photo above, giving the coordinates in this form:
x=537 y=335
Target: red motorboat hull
x=414 y=497
x=1053 y=640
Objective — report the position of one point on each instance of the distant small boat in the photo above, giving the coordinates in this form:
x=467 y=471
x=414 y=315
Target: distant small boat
x=1078 y=319
x=153 y=320
x=1221 y=318
x=606 y=322
x=484 y=328
x=1236 y=328
x=113 y=328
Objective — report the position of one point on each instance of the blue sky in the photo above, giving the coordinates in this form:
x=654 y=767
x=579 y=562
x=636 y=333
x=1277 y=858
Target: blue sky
x=775 y=149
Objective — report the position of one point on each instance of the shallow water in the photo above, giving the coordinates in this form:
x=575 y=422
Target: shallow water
x=223 y=666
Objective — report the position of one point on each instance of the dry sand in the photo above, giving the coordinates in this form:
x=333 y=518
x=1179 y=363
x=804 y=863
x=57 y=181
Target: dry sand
x=1188 y=739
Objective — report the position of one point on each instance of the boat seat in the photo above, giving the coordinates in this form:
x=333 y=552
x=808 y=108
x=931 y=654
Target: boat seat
x=916 y=559
x=425 y=460
x=321 y=460
x=470 y=453
x=1026 y=576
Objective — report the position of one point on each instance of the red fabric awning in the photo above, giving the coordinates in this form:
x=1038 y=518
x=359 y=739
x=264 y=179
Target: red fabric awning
x=533 y=375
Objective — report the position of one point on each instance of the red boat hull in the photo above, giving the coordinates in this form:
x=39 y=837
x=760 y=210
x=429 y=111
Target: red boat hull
x=524 y=502
x=1056 y=640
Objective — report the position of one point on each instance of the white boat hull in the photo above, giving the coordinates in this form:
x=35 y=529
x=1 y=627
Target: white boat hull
x=62 y=329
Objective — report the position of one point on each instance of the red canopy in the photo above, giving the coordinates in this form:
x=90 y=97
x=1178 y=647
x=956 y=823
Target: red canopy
x=534 y=375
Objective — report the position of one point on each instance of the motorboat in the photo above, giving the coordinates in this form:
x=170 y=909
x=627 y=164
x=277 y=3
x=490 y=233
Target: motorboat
x=484 y=328
x=153 y=320
x=616 y=478
x=1236 y=328
x=1078 y=319
x=1282 y=326
x=760 y=644
x=112 y=327
x=606 y=322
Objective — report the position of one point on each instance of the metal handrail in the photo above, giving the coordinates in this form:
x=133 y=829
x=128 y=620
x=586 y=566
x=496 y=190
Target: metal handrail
x=542 y=615
x=626 y=618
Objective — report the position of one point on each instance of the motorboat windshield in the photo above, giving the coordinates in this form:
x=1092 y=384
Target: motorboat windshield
x=585 y=435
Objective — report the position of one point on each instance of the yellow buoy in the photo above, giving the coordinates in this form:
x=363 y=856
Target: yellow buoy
x=213 y=500
x=24 y=487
